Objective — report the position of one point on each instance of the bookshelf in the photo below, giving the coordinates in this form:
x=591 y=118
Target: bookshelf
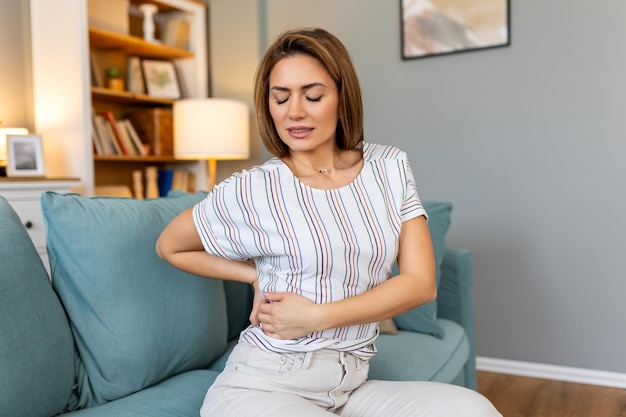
x=65 y=93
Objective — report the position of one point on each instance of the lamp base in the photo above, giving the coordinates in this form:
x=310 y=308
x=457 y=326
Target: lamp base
x=212 y=173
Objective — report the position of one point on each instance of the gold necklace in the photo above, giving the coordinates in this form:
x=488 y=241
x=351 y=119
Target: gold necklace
x=325 y=171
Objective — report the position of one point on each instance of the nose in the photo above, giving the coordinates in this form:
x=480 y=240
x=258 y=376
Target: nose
x=296 y=108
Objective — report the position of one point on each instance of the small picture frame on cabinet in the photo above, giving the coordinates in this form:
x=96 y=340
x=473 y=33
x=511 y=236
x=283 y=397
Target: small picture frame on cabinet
x=160 y=78
x=25 y=156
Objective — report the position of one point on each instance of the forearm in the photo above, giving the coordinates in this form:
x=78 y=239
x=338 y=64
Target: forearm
x=204 y=264
x=387 y=300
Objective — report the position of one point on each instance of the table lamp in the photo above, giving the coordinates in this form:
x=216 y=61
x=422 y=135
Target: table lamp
x=212 y=129
x=4 y=131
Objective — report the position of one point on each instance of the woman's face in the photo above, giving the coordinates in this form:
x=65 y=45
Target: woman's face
x=303 y=103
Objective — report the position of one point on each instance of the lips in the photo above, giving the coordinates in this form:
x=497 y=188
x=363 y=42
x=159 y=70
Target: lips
x=299 y=132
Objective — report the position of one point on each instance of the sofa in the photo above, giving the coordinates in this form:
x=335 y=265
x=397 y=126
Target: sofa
x=116 y=331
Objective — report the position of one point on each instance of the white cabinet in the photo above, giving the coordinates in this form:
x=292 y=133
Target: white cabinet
x=25 y=198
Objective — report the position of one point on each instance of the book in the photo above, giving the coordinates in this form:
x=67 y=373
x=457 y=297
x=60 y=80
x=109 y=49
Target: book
x=175 y=32
x=100 y=124
x=132 y=133
x=117 y=150
x=175 y=179
x=97 y=74
x=125 y=139
x=155 y=128
x=165 y=179
x=98 y=149
x=118 y=141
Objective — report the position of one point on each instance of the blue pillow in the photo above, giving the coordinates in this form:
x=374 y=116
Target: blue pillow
x=136 y=319
x=422 y=319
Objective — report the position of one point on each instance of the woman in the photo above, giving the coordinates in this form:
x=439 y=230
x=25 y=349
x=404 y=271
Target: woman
x=323 y=222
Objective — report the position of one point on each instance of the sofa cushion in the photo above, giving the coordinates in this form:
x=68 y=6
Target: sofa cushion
x=36 y=346
x=181 y=395
x=136 y=319
x=410 y=356
x=422 y=319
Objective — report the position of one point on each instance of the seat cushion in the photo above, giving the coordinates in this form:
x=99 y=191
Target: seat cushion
x=36 y=346
x=423 y=318
x=136 y=319
x=408 y=356
x=179 y=396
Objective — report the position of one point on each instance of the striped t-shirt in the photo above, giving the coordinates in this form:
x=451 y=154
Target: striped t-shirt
x=326 y=245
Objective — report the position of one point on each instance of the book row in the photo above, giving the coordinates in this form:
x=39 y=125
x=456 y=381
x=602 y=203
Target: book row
x=116 y=137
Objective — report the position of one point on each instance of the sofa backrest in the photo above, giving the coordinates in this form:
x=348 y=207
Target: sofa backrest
x=136 y=319
x=36 y=345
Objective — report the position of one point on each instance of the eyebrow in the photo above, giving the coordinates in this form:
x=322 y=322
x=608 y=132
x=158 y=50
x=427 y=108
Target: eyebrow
x=304 y=87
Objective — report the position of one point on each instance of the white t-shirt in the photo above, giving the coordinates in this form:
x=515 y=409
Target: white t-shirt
x=325 y=245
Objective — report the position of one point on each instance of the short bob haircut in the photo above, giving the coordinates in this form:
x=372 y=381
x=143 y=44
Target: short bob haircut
x=334 y=57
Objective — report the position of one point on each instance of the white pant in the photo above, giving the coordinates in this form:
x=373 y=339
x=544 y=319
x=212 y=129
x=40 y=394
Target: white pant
x=256 y=383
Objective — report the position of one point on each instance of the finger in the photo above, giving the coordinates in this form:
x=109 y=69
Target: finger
x=254 y=316
x=273 y=296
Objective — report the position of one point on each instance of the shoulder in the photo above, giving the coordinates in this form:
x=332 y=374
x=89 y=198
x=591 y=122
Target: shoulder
x=374 y=152
x=253 y=174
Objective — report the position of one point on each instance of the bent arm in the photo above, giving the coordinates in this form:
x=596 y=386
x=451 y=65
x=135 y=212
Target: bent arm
x=180 y=245
x=292 y=316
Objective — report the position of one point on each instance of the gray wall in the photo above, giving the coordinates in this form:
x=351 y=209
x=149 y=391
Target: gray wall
x=529 y=144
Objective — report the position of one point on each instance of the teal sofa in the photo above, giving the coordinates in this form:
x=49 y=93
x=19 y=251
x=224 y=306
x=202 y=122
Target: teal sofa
x=122 y=333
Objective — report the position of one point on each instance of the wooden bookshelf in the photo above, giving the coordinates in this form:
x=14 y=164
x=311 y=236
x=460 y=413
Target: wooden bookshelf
x=106 y=94
x=132 y=45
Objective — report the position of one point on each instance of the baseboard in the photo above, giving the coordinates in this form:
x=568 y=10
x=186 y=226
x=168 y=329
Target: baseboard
x=555 y=372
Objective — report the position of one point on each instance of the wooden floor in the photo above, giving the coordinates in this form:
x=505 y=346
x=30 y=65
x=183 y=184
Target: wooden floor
x=517 y=396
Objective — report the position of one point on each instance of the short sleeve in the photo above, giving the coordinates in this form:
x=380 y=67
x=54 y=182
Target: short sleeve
x=220 y=226
x=411 y=204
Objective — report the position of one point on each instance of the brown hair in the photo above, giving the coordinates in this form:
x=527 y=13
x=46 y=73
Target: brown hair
x=334 y=57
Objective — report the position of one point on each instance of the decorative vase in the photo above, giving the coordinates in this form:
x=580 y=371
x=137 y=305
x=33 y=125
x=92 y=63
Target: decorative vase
x=134 y=79
x=148 y=10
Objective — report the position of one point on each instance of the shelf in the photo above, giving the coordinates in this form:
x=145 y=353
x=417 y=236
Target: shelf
x=101 y=93
x=163 y=7
x=147 y=159
x=132 y=45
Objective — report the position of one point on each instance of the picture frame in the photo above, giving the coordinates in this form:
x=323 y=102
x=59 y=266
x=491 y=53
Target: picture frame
x=160 y=78
x=443 y=27
x=25 y=156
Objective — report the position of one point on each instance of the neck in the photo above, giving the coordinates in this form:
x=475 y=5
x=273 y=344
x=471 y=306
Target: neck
x=316 y=168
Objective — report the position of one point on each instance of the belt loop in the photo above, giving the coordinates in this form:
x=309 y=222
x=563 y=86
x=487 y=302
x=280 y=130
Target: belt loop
x=306 y=360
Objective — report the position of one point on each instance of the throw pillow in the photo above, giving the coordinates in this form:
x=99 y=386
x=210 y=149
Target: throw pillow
x=387 y=327
x=136 y=319
x=422 y=319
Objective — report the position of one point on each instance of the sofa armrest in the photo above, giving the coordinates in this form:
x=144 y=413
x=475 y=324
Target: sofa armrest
x=455 y=300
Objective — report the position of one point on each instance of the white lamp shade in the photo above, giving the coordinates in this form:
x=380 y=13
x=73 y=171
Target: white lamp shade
x=4 y=131
x=211 y=128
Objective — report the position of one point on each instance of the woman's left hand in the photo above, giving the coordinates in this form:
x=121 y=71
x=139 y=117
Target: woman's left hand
x=286 y=315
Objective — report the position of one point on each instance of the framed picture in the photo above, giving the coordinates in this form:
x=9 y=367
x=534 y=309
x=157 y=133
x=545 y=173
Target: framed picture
x=25 y=156
x=441 y=27
x=160 y=78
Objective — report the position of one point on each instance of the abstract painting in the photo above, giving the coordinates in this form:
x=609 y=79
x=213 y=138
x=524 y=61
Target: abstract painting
x=440 y=27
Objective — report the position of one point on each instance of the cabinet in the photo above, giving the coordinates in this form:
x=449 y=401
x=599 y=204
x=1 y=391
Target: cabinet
x=25 y=198
x=64 y=97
